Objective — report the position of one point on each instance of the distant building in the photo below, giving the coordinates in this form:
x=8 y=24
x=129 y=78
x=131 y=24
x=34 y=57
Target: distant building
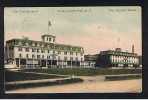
x=90 y=60
x=117 y=58
x=25 y=53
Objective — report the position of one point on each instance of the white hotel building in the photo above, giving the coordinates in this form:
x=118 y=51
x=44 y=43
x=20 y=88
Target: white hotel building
x=25 y=53
x=117 y=58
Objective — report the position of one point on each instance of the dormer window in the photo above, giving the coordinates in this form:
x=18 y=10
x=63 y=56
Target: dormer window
x=49 y=39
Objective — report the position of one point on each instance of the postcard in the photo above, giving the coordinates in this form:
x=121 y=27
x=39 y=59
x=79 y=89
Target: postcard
x=73 y=49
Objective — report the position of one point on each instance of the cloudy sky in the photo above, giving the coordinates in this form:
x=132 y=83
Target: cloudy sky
x=94 y=28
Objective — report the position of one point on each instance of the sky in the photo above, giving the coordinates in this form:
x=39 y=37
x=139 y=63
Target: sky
x=94 y=28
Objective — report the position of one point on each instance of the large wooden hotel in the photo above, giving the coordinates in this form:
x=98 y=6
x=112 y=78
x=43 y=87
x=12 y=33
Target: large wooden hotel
x=25 y=53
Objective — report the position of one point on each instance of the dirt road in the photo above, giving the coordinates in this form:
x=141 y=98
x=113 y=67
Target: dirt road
x=123 y=86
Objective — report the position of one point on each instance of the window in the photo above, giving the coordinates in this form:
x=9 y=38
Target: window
x=54 y=57
x=45 y=45
x=58 y=57
x=71 y=53
x=43 y=56
x=33 y=56
x=48 y=57
x=27 y=56
x=59 y=52
x=65 y=58
x=11 y=48
x=65 y=53
x=81 y=59
x=38 y=50
x=42 y=51
x=40 y=44
x=49 y=39
x=71 y=58
x=19 y=49
x=27 y=49
x=33 y=50
x=36 y=44
x=38 y=56
x=76 y=58
x=20 y=55
x=76 y=53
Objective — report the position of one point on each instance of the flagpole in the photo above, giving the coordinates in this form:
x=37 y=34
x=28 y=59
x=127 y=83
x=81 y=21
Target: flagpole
x=49 y=24
x=48 y=27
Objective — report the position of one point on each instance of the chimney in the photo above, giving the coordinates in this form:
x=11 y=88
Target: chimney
x=132 y=48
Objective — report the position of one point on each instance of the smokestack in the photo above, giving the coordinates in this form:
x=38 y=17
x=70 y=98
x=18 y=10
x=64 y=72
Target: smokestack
x=133 y=49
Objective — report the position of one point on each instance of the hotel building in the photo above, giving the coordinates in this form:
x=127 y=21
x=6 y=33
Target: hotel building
x=90 y=60
x=117 y=58
x=25 y=53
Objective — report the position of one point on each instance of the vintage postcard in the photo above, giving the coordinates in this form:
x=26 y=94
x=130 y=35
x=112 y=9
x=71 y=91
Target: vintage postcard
x=73 y=49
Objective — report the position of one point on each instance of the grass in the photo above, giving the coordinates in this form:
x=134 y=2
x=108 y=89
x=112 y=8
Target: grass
x=20 y=76
x=31 y=85
x=86 y=71
x=123 y=77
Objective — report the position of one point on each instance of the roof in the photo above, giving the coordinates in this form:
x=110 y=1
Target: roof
x=90 y=57
x=50 y=35
x=61 y=46
x=120 y=53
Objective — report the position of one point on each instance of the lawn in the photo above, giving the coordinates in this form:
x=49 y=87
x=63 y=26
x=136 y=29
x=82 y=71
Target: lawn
x=123 y=77
x=21 y=76
x=85 y=71
x=42 y=84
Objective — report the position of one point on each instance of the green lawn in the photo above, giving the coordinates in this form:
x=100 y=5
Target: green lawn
x=85 y=71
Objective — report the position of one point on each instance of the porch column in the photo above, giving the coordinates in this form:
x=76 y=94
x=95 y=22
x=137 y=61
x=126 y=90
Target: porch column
x=26 y=63
x=62 y=63
x=19 y=63
x=51 y=61
x=46 y=63
x=32 y=63
x=71 y=63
